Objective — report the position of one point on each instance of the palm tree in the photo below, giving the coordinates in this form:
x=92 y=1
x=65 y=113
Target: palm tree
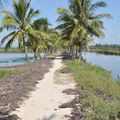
x=41 y=42
x=45 y=42
x=19 y=23
x=80 y=23
x=41 y=24
x=55 y=41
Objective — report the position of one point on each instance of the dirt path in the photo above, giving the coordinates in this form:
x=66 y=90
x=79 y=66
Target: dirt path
x=44 y=102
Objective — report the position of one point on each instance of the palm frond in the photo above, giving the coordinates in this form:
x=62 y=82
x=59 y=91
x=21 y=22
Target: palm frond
x=10 y=42
x=4 y=39
x=98 y=5
x=100 y=16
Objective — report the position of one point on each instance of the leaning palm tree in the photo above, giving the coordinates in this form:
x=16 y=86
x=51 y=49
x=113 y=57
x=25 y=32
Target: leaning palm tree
x=19 y=23
x=80 y=23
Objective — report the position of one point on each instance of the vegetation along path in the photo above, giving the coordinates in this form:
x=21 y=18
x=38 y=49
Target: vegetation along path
x=45 y=100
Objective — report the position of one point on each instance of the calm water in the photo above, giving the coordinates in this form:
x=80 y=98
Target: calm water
x=109 y=62
x=13 y=59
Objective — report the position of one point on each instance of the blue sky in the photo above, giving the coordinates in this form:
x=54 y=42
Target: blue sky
x=48 y=9
x=112 y=31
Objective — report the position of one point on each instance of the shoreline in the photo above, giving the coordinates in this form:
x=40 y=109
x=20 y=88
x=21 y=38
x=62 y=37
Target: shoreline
x=107 y=52
x=96 y=92
x=85 y=96
x=16 y=88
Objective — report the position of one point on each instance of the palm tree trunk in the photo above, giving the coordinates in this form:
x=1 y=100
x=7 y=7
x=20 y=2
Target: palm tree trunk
x=25 y=50
x=70 y=50
x=75 y=52
x=80 y=50
x=36 y=54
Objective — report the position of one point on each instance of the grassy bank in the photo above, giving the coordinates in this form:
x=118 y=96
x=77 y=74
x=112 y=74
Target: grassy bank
x=5 y=73
x=10 y=51
x=106 y=49
x=103 y=93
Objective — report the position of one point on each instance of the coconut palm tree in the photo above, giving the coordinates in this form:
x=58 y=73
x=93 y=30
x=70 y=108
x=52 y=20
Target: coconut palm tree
x=41 y=24
x=19 y=23
x=80 y=23
x=40 y=43
x=48 y=40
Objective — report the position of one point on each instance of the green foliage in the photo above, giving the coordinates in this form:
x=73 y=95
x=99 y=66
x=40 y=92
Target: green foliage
x=99 y=109
x=10 y=51
x=47 y=40
x=33 y=35
x=79 y=23
x=18 y=23
x=94 y=78
x=103 y=99
x=41 y=42
x=41 y=24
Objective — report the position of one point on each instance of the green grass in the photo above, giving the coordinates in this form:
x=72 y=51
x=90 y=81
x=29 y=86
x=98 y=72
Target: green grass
x=10 y=51
x=5 y=73
x=98 y=83
x=14 y=50
x=99 y=109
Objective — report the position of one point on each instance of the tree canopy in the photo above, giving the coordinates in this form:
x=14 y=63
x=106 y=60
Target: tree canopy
x=79 y=23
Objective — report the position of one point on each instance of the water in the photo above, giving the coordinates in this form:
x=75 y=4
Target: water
x=109 y=62
x=13 y=59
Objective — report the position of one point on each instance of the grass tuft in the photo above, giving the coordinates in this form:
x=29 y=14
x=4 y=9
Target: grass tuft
x=103 y=100
x=94 y=78
x=5 y=73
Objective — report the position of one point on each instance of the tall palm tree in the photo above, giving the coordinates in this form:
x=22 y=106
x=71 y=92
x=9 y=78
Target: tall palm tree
x=80 y=22
x=19 y=23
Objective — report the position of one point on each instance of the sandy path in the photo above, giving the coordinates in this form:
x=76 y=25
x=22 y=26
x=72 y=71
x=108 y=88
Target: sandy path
x=44 y=101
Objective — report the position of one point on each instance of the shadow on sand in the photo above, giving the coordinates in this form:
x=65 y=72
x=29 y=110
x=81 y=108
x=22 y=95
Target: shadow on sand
x=49 y=118
x=8 y=117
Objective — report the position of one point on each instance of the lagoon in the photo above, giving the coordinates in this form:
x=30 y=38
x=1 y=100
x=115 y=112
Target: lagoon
x=109 y=62
x=13 y=59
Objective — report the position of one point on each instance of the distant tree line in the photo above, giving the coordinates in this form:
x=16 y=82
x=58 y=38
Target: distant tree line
x=106 y=47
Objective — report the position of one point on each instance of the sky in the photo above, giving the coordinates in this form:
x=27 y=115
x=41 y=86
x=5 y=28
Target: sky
x=48 y=9
x=112 y=26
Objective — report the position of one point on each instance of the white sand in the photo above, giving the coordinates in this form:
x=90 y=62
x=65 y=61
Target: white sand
x=44 y=101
